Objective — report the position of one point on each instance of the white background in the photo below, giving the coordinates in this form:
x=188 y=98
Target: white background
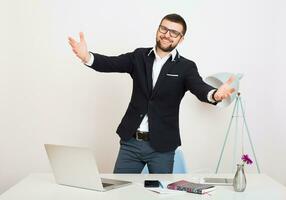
x=48 y=96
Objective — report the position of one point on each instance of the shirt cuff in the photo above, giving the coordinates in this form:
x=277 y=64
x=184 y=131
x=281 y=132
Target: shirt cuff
x=210 y=94
x=90 y=62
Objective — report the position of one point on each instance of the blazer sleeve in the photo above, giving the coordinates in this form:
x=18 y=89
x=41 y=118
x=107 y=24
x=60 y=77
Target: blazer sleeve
x=195 y=84
x=122 y=63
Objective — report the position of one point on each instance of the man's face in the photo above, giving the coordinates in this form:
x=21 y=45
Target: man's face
x=169 y=35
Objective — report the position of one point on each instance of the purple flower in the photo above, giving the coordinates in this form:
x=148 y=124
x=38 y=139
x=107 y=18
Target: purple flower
x=245 y=158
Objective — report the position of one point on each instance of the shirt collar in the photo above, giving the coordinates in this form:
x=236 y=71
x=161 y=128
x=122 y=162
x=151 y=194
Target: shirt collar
x=173 y=53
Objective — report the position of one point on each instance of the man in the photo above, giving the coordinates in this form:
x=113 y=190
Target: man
x=149 y=130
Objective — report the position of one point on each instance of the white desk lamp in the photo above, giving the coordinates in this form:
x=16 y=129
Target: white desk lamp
x=216 y=81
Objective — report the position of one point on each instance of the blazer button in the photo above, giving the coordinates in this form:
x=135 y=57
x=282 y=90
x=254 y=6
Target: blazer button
x=141 y=115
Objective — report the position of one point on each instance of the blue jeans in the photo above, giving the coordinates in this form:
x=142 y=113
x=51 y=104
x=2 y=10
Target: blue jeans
x=134 y=155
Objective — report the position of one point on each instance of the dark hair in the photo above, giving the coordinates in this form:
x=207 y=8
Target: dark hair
x=177 y=19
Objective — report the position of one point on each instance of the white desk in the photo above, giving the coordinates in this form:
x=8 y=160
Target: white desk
x=42 y=186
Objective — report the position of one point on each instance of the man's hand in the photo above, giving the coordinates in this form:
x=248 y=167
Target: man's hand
x=224 y=91
x=80 y=48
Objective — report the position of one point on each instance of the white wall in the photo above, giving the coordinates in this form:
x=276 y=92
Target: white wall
x=48 y=96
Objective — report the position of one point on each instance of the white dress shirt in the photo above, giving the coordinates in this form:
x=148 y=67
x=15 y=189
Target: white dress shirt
x=157 y=66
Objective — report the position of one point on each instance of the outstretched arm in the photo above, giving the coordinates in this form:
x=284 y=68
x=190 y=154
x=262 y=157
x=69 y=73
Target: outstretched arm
x=101 y=63
x=205 y=92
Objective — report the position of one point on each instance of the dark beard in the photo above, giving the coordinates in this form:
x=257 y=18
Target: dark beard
x=167 y=49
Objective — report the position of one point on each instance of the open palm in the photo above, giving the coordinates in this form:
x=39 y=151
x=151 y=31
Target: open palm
x=80 y=48
x=224 y=91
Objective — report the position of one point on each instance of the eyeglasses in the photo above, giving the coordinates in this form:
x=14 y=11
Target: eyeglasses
x=173 y=33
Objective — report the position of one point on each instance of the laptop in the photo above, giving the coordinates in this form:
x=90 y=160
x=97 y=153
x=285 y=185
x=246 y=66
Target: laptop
x=76 y=166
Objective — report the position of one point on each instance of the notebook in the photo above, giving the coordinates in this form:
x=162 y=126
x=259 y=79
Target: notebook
x=187 y=186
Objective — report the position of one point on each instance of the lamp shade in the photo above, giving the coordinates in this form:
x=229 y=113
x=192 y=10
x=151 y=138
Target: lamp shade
x=218 y=79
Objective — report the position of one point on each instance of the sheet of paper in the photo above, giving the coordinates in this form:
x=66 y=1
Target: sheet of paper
x=164 y=190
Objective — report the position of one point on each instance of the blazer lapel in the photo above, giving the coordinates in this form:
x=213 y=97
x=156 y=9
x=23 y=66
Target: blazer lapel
x=149 y=68
x=162 y=76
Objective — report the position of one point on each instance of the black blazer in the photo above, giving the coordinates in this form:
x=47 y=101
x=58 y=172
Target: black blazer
x=162 y=102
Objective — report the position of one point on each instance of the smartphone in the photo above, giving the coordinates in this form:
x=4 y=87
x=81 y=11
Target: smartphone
x=151 y=183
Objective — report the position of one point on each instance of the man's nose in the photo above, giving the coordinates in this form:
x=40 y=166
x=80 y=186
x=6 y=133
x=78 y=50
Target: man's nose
x=168 y=34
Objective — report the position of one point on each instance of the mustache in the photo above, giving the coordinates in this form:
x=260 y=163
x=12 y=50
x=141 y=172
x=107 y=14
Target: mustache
x=166 y=39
